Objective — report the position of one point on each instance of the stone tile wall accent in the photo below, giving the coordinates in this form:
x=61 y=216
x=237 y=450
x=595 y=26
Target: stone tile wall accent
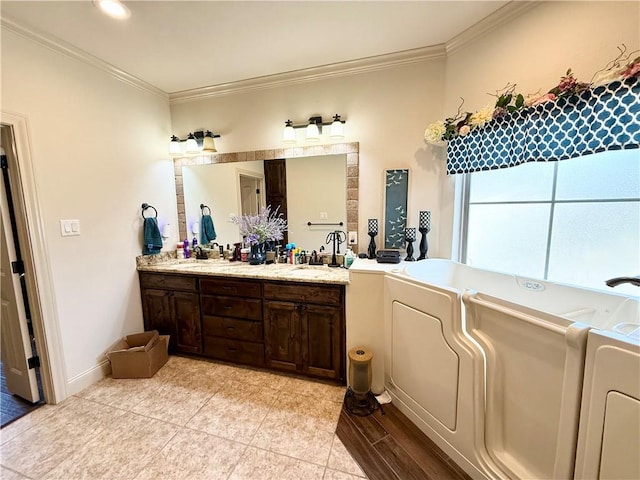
x=350 y=149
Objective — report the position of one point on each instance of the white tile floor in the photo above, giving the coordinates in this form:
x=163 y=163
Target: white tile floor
x=193 y=420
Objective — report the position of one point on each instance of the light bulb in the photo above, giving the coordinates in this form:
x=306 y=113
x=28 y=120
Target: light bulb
x=113 y=8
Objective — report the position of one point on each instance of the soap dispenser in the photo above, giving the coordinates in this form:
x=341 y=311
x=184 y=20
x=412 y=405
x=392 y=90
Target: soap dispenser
x=348 y=258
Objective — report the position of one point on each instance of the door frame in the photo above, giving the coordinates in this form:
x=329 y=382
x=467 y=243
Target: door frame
x=39 y=280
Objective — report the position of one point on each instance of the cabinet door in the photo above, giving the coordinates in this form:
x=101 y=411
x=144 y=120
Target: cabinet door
x=281 y=335
x=322 y=340
x=157 y=313
x=185 y=309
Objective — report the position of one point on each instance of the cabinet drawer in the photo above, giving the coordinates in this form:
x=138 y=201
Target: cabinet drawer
x=249 y=353
x=246 y=308
x=232 y=328
x=230 y=287
x=168 y=282
x=308 y=293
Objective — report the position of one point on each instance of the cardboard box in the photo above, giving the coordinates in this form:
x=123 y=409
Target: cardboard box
x=139 y=356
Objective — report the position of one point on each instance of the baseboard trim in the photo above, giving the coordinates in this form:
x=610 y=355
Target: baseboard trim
x=88 y=377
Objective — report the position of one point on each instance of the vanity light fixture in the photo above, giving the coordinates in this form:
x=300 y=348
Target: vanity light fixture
x=192 y=145
x=337 y=127
x=196 y=142
x=113 y=8
x=208 y=144
x=289 y=134
x=313 y=130
x=174 y=146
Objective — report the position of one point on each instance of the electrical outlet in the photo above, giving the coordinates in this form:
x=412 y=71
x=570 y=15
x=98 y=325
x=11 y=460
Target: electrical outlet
x=353 y=238
x=324 y=215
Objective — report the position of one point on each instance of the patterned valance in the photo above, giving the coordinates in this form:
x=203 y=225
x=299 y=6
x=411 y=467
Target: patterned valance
x=602 y=118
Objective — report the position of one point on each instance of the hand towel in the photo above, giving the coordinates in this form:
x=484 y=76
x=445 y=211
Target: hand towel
x=152 y=240
x=207 y=231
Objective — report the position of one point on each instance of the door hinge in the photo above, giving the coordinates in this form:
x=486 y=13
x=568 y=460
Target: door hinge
x=17 y=267
x=34 y=362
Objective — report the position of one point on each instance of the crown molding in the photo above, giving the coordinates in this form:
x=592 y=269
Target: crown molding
x=498 y=18
x=334 y=70
x=60 y=46
x=501 y=16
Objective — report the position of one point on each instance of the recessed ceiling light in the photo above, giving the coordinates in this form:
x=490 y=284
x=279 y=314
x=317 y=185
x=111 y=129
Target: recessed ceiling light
x=113 y=8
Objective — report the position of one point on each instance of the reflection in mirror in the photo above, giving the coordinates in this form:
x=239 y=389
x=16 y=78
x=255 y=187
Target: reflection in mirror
x=219 y=187
x=316 y=192
x=230 y=188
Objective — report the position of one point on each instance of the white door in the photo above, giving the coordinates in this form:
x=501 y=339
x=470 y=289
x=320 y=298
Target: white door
x=16 y=344
x=250 y=194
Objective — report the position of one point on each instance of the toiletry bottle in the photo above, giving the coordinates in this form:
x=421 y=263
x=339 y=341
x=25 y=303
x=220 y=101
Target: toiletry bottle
x=194 y=242
x=348 y=258
x=185 y=246
x=179 y=250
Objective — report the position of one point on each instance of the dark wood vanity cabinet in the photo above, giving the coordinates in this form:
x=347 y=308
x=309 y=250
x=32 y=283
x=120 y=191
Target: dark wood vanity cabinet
x=171 y=305
x=232 y=320
x=304 y=329
x=295 y=327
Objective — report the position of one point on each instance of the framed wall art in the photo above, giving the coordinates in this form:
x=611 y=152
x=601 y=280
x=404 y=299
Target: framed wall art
x=395 y=207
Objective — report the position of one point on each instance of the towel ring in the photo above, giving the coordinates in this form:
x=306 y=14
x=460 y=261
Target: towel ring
x=202 y=207
x=145 y=206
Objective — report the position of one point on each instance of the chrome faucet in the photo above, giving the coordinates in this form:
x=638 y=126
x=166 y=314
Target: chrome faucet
x=614 y=282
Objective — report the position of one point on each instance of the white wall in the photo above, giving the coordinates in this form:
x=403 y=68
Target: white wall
x=534 y=51
x=99 y=150
x=386 y=111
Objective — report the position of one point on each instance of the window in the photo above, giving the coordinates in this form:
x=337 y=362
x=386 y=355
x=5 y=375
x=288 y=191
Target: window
x=575 y=221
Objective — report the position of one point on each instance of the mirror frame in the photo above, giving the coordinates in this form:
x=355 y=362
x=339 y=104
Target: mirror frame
x=352 y=151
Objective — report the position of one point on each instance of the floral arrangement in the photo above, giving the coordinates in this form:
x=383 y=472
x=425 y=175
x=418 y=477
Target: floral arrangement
x=265 y=226
x=509 y=101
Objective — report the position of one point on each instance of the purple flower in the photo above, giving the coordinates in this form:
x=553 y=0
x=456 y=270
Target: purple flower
x=499 y=112
x=259 y=228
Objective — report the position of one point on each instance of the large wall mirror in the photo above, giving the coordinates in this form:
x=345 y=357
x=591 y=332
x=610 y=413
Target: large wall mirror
x=321 y=189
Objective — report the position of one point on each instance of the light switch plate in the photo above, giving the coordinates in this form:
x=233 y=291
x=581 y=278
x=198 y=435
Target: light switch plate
x=69 y=228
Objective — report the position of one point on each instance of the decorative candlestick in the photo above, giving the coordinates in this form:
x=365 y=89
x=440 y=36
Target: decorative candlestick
x=373 y=231
x=410 y=237
x=424 y=227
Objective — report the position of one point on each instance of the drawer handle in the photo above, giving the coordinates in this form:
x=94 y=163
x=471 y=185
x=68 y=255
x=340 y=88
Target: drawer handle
x=232 y=349
x=230 y=329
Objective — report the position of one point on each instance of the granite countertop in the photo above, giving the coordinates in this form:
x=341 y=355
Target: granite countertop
x=165 y=263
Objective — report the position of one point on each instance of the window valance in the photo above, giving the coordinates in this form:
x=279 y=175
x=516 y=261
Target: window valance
x=602 y=118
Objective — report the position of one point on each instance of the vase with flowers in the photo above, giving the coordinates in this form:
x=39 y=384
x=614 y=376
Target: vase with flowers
x=266 y=226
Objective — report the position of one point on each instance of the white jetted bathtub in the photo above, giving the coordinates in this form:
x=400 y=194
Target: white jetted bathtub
x=491 y=366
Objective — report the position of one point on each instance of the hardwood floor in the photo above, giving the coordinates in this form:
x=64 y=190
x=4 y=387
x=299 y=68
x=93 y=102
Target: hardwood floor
x=12 y=407
x=391 y=447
